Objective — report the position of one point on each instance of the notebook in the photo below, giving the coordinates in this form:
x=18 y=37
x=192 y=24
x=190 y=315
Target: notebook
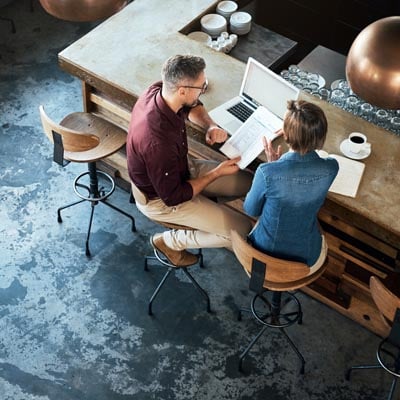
x=247 y=141
x=349 y=176
x=260 y=86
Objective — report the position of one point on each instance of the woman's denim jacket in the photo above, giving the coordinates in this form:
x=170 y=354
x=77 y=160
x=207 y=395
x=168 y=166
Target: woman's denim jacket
x=286 y=195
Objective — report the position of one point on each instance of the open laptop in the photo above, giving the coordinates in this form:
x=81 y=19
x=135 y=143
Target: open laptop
x=260 y=86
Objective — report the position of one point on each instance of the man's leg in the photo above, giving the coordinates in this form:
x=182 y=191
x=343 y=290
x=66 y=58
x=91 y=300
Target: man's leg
x=212 y=223
x=230 y=186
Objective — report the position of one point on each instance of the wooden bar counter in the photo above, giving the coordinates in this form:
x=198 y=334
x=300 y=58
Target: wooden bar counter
x=119 y=58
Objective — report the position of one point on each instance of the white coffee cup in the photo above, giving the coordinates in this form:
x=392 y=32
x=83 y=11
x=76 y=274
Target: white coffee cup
x=358 y=142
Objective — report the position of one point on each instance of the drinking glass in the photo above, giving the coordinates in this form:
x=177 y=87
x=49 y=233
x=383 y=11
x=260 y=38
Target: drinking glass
x=367 y=112
x=293 y=79
x=324 y=93
x=313 y=77
x=344 y=85
x=302 y=74
x=395 y=125
x=316 y=94
x=285 y=74
x=313 y=86
x=337 y=97
x=302 y=83
x=294 y=69
x=352 y=104
x=382 y=118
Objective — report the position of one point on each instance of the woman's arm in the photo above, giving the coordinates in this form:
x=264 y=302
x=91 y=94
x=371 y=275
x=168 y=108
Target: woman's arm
x=255 y=199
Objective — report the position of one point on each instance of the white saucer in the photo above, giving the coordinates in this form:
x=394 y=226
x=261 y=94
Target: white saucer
x=345 y=149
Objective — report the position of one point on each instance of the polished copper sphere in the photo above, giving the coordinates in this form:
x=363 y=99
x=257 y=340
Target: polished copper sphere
x=373 y=63
x=82 y=10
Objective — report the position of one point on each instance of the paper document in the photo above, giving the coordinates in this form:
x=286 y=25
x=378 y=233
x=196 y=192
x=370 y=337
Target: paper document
x=349 y=175
x=247 y=140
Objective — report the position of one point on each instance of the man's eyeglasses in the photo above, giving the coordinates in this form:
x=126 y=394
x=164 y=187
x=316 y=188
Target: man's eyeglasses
x=203 y=88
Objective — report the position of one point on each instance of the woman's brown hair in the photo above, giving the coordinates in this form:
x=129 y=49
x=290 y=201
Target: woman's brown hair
x=305 y=126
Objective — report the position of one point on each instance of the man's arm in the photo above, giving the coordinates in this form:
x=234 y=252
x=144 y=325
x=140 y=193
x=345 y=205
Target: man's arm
x=227 y=167
x=214 y=134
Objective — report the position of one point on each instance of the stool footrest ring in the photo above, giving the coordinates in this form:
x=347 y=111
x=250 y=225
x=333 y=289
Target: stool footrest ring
x=93 y=196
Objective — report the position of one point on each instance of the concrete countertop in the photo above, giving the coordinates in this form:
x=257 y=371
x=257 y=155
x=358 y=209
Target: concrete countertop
x=127 y=52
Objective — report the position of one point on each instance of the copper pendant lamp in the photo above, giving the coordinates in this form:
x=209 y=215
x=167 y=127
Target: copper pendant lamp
x=373 y=63
x=82 y=10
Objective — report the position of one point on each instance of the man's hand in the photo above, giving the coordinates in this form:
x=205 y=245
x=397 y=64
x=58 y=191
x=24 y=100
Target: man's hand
x=270 y=152
x=228 y=167
x=215 y=134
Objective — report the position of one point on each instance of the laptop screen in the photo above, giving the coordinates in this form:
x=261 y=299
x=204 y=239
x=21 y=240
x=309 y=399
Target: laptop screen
x=265 y=87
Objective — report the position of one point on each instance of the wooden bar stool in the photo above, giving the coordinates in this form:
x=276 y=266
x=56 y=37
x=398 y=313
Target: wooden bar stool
x=86 y=138
x=272 y=279
x=388 y=351
x=139 y=197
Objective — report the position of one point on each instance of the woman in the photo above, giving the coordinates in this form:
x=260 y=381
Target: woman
x=288 y=191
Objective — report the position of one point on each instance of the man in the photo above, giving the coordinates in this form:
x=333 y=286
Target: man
x=157 y=159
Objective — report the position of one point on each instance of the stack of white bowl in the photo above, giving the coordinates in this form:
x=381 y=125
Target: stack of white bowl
x=240 y=23
x=213 y=24
x=226 y=8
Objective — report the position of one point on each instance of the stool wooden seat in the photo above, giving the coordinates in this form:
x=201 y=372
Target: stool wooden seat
x=272 y=279
x=86 y=138
x=139 y=197
x=388 y=351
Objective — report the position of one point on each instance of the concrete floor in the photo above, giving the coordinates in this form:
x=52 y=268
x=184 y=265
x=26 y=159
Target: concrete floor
x=73 y=328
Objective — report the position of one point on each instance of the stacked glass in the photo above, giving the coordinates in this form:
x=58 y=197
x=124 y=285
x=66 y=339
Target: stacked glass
x=343 y=97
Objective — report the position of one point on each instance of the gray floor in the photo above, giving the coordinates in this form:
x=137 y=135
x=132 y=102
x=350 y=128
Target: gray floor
x=77 y=328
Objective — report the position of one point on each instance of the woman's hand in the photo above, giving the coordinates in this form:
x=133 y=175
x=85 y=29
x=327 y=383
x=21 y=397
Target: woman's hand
x=270 y=152
x=215 y=134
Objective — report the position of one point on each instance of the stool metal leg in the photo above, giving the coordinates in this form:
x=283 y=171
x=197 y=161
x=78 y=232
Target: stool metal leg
x=13 y=30
x=200 y=254
x=199 y=288
x=59 y=219
x=171 y=268
x=393 y=368
x=121 y=212
x=296 y=350
x=150 y=310
x=273 y=315
x=392 y=388
x=89 y=229
x=350 y=370
x=250 y=345
x=94 y=196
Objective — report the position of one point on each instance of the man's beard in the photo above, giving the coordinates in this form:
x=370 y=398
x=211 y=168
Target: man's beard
x=192 y=105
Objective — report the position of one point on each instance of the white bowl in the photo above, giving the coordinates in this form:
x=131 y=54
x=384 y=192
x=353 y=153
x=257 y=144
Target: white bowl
x=226 y=8
x=213 y=22
x=240 y=19
x=240 y=31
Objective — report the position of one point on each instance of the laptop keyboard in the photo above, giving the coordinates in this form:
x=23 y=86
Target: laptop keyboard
x=241 y=111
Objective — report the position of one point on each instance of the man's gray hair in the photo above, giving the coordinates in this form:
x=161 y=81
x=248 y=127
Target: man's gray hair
x=181 y=69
